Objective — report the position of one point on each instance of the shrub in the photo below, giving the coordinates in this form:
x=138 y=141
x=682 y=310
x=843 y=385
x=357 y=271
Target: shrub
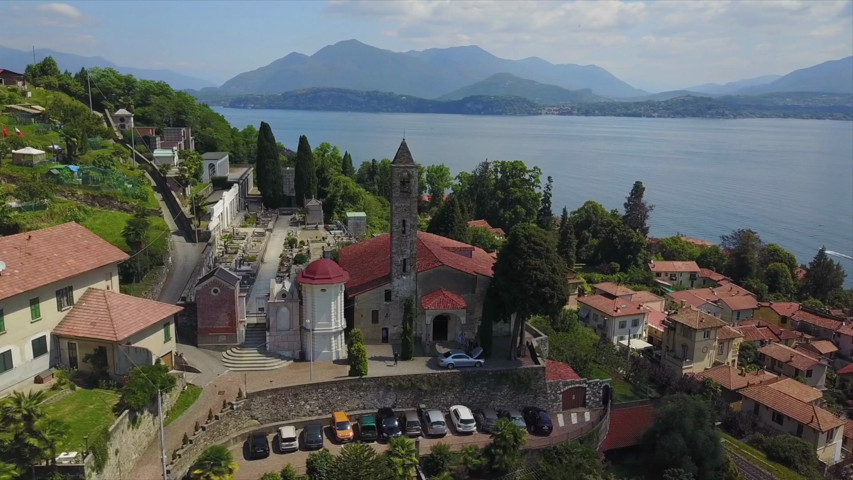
x=788 y=450
x=99 y=446
x=196 y=427
x=289 y=473
x=357 y=354
x=210 y=415
x=186 y=439
x=143 y=383
x=438 y=459
x=300 y=259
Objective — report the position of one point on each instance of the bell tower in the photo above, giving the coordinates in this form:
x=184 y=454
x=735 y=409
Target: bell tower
x=404 y=234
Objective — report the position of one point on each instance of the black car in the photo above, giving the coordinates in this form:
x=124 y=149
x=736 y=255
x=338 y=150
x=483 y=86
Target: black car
x=389 y=425
x=538 y=421
x=312 y=436
x=486 y=419
x=259 y=446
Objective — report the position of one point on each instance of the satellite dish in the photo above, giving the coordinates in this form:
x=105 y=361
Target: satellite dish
x=2 y=266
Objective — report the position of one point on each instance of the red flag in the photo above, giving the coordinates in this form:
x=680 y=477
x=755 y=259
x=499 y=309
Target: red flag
x=19 y=132
x=5 y=133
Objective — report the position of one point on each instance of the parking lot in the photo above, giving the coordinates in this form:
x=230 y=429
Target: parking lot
x=567 y=425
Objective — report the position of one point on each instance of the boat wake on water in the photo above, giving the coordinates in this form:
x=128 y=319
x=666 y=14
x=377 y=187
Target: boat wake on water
x=836 y=254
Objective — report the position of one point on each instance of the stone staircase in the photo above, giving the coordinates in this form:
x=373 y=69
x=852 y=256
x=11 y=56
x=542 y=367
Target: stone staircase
x=252 y=355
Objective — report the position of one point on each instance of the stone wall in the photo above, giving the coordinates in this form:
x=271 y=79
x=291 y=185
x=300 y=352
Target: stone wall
x=129 y=439
x=596 y=391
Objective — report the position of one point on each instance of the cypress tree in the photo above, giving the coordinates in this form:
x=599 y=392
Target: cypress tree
x=306 y=175
x=545 y=217
x=637 y=211
x=346 y=166
x=566 y=243
x=449 y=221
x=270 y=182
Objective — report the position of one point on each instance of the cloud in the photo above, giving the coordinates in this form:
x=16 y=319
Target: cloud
x=61 y=9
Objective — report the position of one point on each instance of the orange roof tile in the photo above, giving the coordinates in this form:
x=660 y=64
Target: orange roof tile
x=696 y=319
x=792 y=334
x=731 y=379
x=796 y=358
x=762 y=324
x=821 y=347
x=41 y=257
x=728 y=333
x=107 y=315
x=784 y=309
x=676 y=266
x=741 y=302
x=753 y=333
x=846 y=370
x=612 y=307
x=645 y=297
x=817 y=320
x=442 y=299
x=795 y=389
x=555 y=371
x=708 y=273
x=655 y=320
x=805 y=413
x=613 y=289
x=627 y=427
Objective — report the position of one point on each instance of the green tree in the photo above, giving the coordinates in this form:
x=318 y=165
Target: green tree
x=473 y=459
x=778 y=278
x=449 y=222
x=198 y=206
x=407 y=348
x=320 y=466
x=790 y=451
x=484 y=238
x=357 y=354
x=135 y=231
x=683 y=436
x=504 y=453
x=20 y=416
x=8 y=471
x=566 y=239
x=33 y=189
x=143 y=383
x=305 y=175
x=438 y=180
x=676 y=248
x=327 y=163
x=747 y=354
x=530 y=277
x=270 y=181
x=271 y=476
x=51 y=431
x=570 y=460
x=289 y=473
x=216 y=463
x=404 y=458
x=545 y=217
x=637 y=211
x=359 y=460
x=824 y=277
x=712 y=257
x=744 y=247
x=438 y=460
x=772 y=253
x=504 y=193
x=347 y=168
x=602 y=237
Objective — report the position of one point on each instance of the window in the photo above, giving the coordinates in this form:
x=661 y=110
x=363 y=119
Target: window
x=406 y=183
x=755 y=409
x=64 y=298
x=214 y=291
x=829 y=435
x=684 y=352
x=800 y=430
x=2 y=322
x=39 y=346
x=622 y=324
x=808 y=374
x=673 y=276
x=405 y=265
x=387 y=295
x=35 y=309
x=635 y=322
x=595 y=317
x=404 y=227
x=374 y=317
x=720 y=349
x=737 y=317
x=784 y=320
x=6 y=361
x=658 y=274
x=706 y=334
x=796 y=372
x=778 y=418
x=167 y=332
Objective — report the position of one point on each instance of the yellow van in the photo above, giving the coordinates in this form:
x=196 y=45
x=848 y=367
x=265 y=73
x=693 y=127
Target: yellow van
x=342 y=427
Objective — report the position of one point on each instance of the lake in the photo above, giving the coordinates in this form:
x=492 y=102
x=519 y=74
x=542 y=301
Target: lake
x=789 y=180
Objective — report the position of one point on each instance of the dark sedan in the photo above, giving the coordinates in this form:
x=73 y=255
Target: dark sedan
x=486 y=419
x=259 y=446
x=389 y=425
x=538 y=421
x=312 y=436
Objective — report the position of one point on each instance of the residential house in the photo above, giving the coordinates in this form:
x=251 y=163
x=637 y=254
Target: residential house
x=126 y=331
x=690 y=341
x=781 y=406
x=614 y=319
x=499 y=232
x=165 y=156
x=820 y=325
x=675 y=274
x=614 y=290
x=8 y=77
x=214 y=164
x=792 y=337
x=797 y=364
x=221 y=310
x=574 y=285
x=729 y=302
x=728 y=345
x=820 y=348
x=732 y=379
x=844 y=339
x=27 y=113
x=777 y=313
x=655 y=328
x=710 y=278
x=758 y=332
x=845 y=374
x=122 y=120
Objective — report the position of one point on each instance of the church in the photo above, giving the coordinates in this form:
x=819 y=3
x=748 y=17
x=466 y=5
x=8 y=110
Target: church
x=446 y=279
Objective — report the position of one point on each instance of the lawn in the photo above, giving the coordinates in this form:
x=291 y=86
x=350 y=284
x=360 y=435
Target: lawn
x=185 y=401
x=624 y=391
x=85 y=411
x=760 y=459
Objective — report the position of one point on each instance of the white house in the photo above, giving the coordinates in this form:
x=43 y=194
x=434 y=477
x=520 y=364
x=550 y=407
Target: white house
x=615 y=319
x=214 y=164
x=322 y=285
x=682 y=274
x=225 y=210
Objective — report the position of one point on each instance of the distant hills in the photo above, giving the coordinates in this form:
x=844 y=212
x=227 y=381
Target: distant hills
x=835 y=76
x=732 y=87
x=507 y=84
x=429 y=73
x=17 y=61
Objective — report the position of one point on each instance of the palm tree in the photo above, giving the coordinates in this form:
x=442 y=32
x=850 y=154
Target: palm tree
x=8 y=471
x=404 y=458
x=359 y=460
x=216 y=463
x=505 y=449
x=50 y=432
x=19 y=415
x=198 y=206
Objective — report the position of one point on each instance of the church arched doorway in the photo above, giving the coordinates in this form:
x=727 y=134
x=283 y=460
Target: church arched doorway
x=439 y=328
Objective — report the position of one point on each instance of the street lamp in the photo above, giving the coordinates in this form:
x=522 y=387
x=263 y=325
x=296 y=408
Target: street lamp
x=86 y=440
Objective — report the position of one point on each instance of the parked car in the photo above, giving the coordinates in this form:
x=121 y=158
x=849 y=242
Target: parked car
x=342 y=427
x=459 y=358
x=411 y=424
x=287 y=439
x=433 y=421
x=514 y=416
x=538 y=421
x=312 y=436
x=486 y=419
x=367 y=431
x=463 y=419
x=259 y=446
x=389 y=425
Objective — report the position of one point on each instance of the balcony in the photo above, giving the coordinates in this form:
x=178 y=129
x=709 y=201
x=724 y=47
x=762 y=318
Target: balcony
x=675 y=362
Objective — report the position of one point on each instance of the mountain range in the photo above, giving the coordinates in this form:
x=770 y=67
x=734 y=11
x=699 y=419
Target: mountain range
x=17 y=61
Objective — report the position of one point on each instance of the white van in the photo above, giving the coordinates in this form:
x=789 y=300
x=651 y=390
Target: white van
x=287 y=439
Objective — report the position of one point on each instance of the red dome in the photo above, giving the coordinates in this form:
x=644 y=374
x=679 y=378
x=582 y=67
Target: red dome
x=323 y=272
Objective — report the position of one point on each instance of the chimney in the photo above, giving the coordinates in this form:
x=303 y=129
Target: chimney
x=684 y=303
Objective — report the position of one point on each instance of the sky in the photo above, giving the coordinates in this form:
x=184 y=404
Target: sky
x=654 y=45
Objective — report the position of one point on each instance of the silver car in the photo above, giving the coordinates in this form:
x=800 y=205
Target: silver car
x=433 y=421
x=514 y=416
x=458 y=358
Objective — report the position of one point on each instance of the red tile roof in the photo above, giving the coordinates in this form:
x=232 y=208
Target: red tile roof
x=708 y=273
x=817 y=320
x=784 y=309
x=728 y=333
x=655 y=320
x=111 y=316
x=754 y=333
x=645 y=297
x=41 y=257
x=678 y=266
x=794 y=388
x=846 y=370
x=805 y=413
x=735 y=297
x=823 y=347
x=741 y=302
x=369 y=262
x=762 y=324
x=612 y=307
x=442 y=299
x=613 y=289
x=555 y=371
x=732 y=379
x=796 y=358
x=696 y=319
x=792 y=334
x=323 y=272
x=485 y=224
x=627 y=427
